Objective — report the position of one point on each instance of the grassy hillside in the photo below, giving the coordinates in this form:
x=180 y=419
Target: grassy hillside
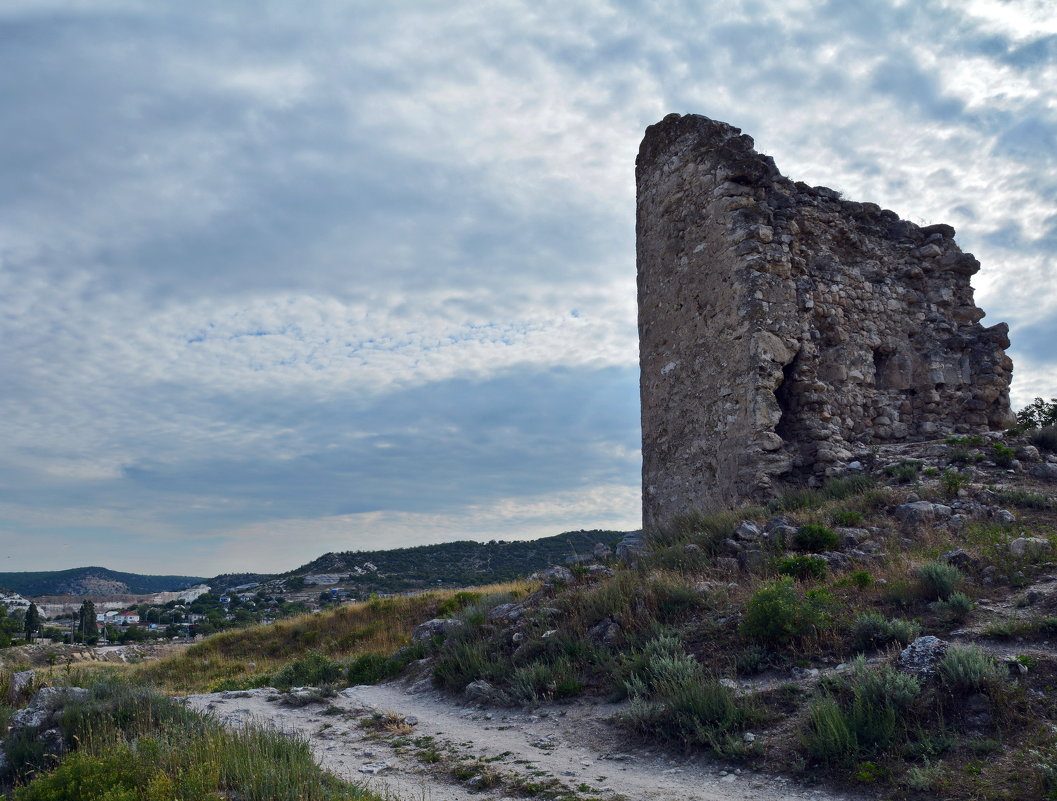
x=453 y=564
x=91 y=581
x=784 y=622
x=300 y=650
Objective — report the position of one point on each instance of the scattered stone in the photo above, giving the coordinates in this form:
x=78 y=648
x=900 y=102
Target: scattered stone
x=850 y=537
x=1028 y=453
x=553 y=575
x=921 y=512
x=1045 y=471
x=836 y=560
x=608 y=631
x=480 y=691
x=421 y=686
x=747 y=531
x=631 y=547
x=510 y=612
x=373 y=768
x=753 y=561
x=978 y=707
x=593 y=573
x=438 y=627
x=959 y=559
x=749 y=737
x=778 y=521
x=45 y=707
x=1005 y=516
x=1031 y=547
x=21 y=682
x=922 y=655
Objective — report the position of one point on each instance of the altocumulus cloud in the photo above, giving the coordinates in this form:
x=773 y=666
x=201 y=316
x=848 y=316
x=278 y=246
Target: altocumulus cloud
x=275 y=281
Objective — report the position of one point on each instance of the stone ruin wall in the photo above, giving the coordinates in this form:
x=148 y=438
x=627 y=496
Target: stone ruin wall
x=783 y=330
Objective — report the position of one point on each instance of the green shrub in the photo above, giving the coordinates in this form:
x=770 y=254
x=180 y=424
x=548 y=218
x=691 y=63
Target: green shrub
x=673 y=698
x=826 y=736
x=847 y=517
x=906 y=471
x=1038 y=414
x=901 y=593
x=835 y=489
x=957 y=607
x=962 y=450
x=457 y=603
x=25 y=755
x=1025 y=499
x=1045 y=438
x=840 y=487
x=673 y=597
x=313 y=669
x=861 y=579
x=815 y=539
x=1002 y=455
x=872 y=630
x=859 y=713
x=802 y=567
x=113 y=776
x=371 y=668
x=704 y=530
x=544 y=681
x=938 y=579
x=951 y=481
x=135 y=745
x=778 y=612
x=967 y=669
x=461 y=662
x=752 y=660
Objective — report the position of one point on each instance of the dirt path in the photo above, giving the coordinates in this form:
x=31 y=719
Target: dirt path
x=497 y=753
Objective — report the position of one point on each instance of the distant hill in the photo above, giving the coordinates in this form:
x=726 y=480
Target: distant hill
x=462 y=563
x=91 y=581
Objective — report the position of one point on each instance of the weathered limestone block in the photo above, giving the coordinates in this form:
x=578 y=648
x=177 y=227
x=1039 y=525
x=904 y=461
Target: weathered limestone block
x=782 y=328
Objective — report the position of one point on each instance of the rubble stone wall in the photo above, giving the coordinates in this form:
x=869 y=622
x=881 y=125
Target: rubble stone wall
x=782 y=329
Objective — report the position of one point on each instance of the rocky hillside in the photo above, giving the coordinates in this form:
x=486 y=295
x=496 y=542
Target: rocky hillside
x=91 y=581
x=892 y=629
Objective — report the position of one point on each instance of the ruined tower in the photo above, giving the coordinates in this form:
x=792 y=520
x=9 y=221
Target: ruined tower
x=783 y=329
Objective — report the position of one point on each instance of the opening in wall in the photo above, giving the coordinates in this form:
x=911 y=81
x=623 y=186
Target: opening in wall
x=787 y=401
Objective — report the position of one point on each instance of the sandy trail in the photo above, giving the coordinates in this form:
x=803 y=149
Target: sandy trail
x=572 y=744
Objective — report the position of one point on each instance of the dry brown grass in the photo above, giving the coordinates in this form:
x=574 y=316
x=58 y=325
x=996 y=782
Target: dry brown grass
x=379 y=626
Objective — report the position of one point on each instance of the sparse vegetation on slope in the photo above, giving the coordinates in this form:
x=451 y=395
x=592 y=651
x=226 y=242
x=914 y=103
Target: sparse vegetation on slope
x=354 y=635
x=132 y=744
x=727 y=633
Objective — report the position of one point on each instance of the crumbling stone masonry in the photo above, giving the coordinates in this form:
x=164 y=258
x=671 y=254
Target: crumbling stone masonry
x=783 y=330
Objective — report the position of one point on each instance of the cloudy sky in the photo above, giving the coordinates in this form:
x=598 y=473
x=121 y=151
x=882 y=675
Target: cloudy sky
x=283 y=278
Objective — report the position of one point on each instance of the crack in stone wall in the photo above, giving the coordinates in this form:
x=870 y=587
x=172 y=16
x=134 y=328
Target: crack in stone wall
x=783 y=329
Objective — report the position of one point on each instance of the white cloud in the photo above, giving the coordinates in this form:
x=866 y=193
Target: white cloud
x=230 y=238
